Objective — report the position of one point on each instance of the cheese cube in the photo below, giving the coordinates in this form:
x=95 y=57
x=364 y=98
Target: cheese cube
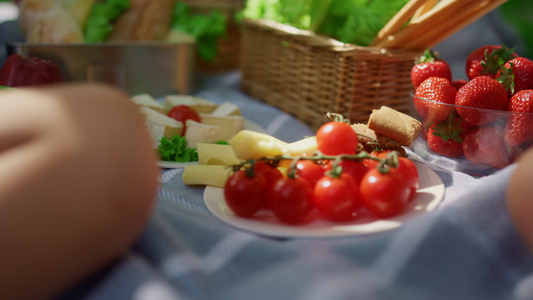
x=148 y=101
x=200 y=105
x=200 y=133
x=216 y=154
x=229 y=125
x=160 y=125
x=227 y=109
x=206 y=175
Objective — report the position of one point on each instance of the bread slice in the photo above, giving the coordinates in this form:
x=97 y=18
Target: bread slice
x=394 y=124
x=368 y=139
x=160 y=125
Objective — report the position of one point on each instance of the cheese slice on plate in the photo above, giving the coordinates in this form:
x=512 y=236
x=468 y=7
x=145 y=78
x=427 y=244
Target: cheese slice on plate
x=160 y=125
x=227 y=109
x=216 y=154
x=200 y=133
x=148 y=101
x=211 y=175
x=229 y=125
x=200 y=105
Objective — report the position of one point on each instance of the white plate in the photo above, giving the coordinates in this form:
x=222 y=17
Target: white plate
x=249 y=125
x=427 y=198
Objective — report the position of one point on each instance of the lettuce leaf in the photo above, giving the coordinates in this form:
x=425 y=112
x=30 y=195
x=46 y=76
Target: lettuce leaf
x=175 y=149
x=206 y=29
x=99 y=23
x=350 y=21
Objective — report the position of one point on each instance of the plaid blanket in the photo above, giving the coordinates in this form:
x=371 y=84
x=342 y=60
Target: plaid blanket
x=466 y=249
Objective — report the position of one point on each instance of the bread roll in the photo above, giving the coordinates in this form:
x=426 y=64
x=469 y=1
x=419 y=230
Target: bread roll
x=50 y=21
x=80 y=9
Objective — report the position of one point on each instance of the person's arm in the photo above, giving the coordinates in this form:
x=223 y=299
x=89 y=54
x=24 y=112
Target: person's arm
x=78 y=179
x=520 y=198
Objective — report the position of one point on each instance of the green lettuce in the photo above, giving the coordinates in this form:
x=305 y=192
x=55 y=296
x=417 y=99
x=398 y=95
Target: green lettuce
x=350 y=21
x=206 y=29
x=175 y=149
x=99 y=23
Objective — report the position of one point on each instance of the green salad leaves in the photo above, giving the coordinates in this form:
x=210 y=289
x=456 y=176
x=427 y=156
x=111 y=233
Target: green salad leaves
x=206 y=29
x=175 y=149
x=349 y=21
x=99 y=23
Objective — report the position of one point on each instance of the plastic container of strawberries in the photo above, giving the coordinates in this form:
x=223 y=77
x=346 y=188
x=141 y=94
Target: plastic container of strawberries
x=478 y=149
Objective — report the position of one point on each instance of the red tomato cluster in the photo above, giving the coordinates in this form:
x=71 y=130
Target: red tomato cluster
x=337 y=189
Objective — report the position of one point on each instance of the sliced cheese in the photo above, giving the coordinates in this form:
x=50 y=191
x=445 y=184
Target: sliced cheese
x=250 y=144
x=216 y=154
x=148 y=101
x=229 y=125
x=227 y=109
x=201 y=133
x=160 y=125
x=200 y=105
x=211 y=175
x=304 y=147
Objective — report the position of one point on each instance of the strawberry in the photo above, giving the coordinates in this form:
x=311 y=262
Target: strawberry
x=519 y=126
x=486 y=60
x=517 y=75
x=485 y=145
x=429 y=65
x=428 y=98
x=458 y=83
x=446 y=138
x=481 y=92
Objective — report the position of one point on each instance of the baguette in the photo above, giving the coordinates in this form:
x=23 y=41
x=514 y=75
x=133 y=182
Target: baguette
x=146 y=20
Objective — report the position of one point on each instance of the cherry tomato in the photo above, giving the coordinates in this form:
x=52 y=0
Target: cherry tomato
x=291 y=199
x=245 y=195
x=410 y=173
x=371 y=163
x=385 y=195
x=334 y=138
x=182 y=113
x=356 y=169
x=310 y=171
x=271 y=174
x=337 y=199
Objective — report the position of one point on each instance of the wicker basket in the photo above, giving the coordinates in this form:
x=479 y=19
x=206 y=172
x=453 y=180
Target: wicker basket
x=308 y=75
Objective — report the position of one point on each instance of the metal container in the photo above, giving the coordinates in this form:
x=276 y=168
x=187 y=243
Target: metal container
x=158 y=69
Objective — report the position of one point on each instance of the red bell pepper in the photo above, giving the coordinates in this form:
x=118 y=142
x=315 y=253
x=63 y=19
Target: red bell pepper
x=21 y=71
